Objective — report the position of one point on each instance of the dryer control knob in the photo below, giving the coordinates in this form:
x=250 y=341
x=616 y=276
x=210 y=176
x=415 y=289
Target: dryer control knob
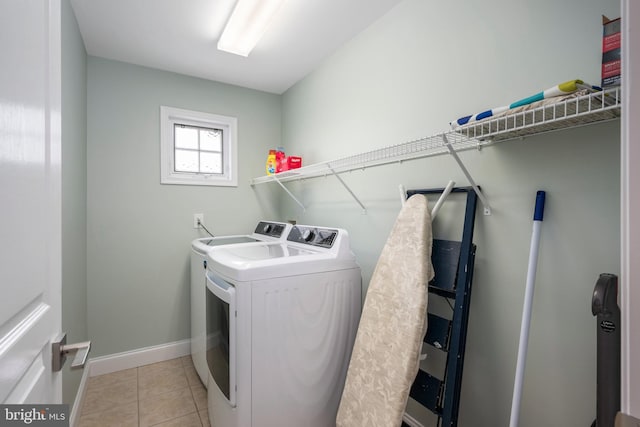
x=308 y=235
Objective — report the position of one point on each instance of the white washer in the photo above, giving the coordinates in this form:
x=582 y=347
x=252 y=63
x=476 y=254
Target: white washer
x=265 y=231
x=281 y=322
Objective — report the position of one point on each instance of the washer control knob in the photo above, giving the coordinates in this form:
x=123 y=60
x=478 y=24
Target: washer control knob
x=308 y=235
x=266 y=228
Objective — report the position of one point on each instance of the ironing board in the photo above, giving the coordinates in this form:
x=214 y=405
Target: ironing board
x=386 y=352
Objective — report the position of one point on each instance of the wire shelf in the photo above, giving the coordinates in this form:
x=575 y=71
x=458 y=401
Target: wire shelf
x=578 y=111
x=424 y=147
x=582 y=110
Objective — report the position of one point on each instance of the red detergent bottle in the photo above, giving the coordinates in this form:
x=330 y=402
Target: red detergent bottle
x=281 y=161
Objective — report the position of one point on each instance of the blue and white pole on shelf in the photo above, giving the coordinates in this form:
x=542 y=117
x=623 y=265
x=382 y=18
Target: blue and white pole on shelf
x=526 y=311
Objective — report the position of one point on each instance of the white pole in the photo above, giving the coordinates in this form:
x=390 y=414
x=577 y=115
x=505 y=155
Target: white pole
x=526 y=311
x=403 y=194
x=443 y=196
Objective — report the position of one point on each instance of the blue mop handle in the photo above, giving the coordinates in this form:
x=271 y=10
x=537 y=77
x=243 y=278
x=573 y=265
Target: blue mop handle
x=538 y=212
x=526 y=309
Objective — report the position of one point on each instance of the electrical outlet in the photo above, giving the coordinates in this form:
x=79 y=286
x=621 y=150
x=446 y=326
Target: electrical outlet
x=197 y=220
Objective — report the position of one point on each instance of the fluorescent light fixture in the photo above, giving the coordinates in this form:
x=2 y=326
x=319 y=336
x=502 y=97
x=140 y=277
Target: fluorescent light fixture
x=247 y=24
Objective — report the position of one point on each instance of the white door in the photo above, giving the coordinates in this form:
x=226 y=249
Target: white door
x=30 y=199
x=630 y=283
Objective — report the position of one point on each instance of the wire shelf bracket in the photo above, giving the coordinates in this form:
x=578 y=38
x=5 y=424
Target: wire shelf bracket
x=465 y=171
x=344 y=184
x=295 y=199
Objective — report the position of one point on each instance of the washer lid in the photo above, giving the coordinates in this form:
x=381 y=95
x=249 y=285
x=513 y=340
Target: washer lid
x=203 y=245
x=265 y=231
x=271 y=260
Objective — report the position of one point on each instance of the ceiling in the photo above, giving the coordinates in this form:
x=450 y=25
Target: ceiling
x=181 y=36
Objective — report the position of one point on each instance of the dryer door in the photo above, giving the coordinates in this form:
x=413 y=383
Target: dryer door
x=221 y=335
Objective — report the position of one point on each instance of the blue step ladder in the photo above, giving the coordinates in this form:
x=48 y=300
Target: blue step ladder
x=453 y=263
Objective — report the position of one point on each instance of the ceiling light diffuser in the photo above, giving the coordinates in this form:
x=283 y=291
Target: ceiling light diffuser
x=247 y=24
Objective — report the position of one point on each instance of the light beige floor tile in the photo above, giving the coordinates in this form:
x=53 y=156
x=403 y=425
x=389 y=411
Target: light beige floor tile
x=112 y=378
x=192 y=376
x=98 y=399
x=204 y=418
x=187 y=361
x=199 y=396
x=155 y=383
x=117 y=416
x=165 y=407
x=163 y=394
x=191 y=420
x=172 y=364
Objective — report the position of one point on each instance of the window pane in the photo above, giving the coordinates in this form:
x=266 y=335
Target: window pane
x=186 y=161
x=197 y=148
x=186 y=137
x=211 y=139
x=210 y=162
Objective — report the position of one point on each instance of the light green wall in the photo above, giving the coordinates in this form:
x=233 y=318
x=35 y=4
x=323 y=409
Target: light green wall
x=421 y=66
x=139 y=232
x=407 y=76
x=74 y=192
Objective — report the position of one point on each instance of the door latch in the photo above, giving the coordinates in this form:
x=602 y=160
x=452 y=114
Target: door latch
x=60 y=349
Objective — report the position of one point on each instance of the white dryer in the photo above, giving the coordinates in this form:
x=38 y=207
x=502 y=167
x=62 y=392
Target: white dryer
x=265 y=231
x=281 y=322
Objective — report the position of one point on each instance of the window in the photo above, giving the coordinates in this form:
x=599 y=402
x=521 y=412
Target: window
x=197 y=148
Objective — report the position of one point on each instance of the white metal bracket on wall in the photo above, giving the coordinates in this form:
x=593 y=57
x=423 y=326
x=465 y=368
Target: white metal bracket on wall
x=344 y=184
x=483 y=199
x=295 y=199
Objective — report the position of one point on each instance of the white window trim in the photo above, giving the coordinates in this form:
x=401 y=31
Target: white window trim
x=170 y=116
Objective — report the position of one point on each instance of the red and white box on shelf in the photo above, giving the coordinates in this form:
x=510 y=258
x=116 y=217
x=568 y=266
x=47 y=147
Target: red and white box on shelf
x=292 y=162
x=611 y=45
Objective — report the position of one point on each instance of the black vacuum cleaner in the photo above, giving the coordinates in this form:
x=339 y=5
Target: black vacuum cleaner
x=604 y=306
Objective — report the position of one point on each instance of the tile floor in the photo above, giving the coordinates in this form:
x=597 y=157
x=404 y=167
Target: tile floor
x=164 y=394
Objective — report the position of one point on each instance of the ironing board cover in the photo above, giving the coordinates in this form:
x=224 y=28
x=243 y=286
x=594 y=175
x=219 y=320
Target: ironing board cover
x=385 y=356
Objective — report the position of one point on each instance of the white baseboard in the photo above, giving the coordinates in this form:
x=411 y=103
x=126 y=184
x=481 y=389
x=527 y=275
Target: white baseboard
x=139 y=357
x=74 y=416
x=126 y=360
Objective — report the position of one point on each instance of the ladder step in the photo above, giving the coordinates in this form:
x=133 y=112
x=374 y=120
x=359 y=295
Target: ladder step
x=446 y=255
x=426 y=391
x=438 y=332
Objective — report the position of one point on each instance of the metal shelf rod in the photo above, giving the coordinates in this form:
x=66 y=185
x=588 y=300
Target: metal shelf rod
x=344 y=184
x=483 y=199
x=290 y=194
